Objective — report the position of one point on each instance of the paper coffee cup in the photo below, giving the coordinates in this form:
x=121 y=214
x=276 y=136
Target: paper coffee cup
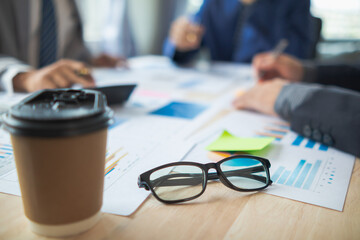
x=59 y=141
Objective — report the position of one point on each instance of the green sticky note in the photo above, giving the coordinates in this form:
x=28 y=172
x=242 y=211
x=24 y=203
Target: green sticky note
x=228 y=142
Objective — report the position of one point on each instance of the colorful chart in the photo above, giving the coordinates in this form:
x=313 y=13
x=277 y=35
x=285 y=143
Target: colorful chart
x=6 y=158
x=180 y=110
x=309 y=143
x=305 y=175
x=278 y=130
x=112 y=160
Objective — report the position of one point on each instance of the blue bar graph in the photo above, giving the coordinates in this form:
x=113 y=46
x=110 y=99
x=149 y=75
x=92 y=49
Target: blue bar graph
x=303 y=175
x=283 y=177
x=180 y=110
x=277 y=174
x=312 y=175
x=323 y=147
x=310 y=144
x=277 y=132
x=298 y=140
x=7 y=153
x=283 y=127
x=295 y=173
x=6 y=149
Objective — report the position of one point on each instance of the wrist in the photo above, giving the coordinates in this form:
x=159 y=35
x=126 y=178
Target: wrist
x=19 y=81
x=309 y=72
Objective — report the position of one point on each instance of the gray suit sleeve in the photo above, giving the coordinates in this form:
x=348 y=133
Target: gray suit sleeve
x=329 y=115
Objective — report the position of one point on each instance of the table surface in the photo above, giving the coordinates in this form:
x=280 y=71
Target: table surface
x=220 y=213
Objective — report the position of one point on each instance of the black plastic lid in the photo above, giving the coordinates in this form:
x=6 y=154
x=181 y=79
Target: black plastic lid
x=60 y=112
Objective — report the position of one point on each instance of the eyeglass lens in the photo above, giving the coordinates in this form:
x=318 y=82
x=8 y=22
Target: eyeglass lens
x=245 y=173
x=178 y=182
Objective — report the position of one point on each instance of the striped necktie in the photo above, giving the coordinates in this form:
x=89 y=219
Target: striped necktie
x=48 y=31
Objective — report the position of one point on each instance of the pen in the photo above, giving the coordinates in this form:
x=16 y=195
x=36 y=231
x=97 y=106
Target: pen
x=278 y=50
x=83 y=72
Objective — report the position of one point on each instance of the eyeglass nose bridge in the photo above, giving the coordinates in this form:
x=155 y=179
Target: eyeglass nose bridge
x=217 y=175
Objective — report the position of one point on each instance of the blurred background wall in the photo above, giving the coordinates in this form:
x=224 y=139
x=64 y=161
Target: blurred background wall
x=139 y=27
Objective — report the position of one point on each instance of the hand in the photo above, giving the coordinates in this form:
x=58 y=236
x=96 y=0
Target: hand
x=186 y=35
x=262 y=97
x=61 y=74
x=105 y=60
x=284 y=66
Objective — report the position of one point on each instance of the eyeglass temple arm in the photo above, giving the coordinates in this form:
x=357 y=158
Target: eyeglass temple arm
x=196 y=178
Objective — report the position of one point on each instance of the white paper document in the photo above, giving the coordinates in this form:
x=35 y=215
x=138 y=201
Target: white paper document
x=133 y=156
x=300 y=168
x=8 y=177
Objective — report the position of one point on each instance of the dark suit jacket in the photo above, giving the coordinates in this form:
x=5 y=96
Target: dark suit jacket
x=326 y=114
x=267 y=22
x=14 y=33
x=342 y=75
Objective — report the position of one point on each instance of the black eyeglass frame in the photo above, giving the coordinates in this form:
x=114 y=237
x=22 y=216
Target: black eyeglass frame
x=144 y=178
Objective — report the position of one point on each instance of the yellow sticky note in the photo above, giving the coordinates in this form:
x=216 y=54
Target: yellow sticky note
x=228 y=142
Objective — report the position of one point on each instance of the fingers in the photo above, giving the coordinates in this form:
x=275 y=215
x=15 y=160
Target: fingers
x=46 y=83
x=60 y=81
x=186 y=35
x=242 y=102
x=261 y=98
x=122 y=63
x=261 y=61
x=105 y=60
x=73 y=78
x=74 y=72
x=265 y=66
x=62 y=74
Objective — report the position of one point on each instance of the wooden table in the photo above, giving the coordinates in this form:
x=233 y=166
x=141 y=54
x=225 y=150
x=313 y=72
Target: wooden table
x=220 y=213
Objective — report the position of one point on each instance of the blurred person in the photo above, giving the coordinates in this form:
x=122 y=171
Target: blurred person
x=292 y=69
x=117 y=37
x=236 y=30
x=41 y=46
x=323 y=113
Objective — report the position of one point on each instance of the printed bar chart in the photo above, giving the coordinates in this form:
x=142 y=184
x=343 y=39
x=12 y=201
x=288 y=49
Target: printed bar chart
x=309 y=144
x=277 y=174
x=283 y=177
x=295 y=173
x=298 y=140
x=6 y=158
x=277 y=130
x=302 y=176
x=323 y=147
x=113 y=164
x=312 y=175
x=5 y=150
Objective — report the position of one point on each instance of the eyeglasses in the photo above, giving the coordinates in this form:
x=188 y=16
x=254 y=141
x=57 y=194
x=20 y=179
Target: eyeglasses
x=184 y=181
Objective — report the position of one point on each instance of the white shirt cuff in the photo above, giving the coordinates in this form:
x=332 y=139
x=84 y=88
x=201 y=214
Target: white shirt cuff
x=6 y=80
